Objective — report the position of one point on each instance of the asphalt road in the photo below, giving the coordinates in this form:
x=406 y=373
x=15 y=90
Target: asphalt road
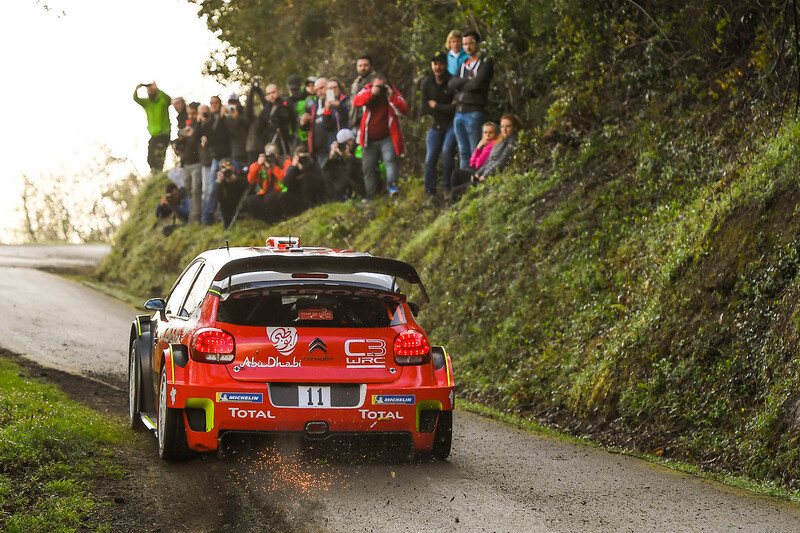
x=497 y=479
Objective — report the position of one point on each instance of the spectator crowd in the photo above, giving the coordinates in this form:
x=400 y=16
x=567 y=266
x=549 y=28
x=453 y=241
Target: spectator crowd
x=276 y=154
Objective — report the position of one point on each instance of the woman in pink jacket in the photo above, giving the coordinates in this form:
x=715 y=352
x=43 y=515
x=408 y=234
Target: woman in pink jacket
x=461 y=176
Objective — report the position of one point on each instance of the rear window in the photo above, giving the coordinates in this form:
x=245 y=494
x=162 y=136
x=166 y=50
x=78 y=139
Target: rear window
x=296 y=307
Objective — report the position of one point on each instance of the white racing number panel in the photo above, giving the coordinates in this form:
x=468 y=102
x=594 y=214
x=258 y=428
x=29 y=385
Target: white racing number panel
x=317 y=396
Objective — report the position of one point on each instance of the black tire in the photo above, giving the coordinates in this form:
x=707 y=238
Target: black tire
x=443 y=438
x=134 y=389
x=170 y=429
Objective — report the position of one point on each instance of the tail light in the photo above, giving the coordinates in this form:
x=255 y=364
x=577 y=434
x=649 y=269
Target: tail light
x=411 y=347
x=213 y=346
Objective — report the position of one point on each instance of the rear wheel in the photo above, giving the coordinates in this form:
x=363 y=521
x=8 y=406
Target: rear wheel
x=171 y=430
x=443 y=438
x=134 y=391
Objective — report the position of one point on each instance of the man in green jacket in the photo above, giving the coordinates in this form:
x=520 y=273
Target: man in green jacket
x=156 y=105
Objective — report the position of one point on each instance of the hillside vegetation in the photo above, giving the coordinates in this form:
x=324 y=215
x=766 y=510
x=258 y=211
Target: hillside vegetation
x=634 y=277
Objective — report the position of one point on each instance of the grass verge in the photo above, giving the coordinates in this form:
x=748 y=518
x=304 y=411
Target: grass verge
x=52 y=452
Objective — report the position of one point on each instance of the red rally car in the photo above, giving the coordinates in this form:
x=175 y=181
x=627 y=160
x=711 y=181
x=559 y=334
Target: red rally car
x=283 y=338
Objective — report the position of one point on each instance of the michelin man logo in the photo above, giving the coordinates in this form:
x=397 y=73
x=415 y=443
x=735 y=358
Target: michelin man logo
x=284 y=339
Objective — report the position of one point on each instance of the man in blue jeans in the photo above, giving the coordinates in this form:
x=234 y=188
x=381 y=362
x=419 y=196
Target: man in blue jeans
x=472 y=92
x=380 y=135
x=436 y=100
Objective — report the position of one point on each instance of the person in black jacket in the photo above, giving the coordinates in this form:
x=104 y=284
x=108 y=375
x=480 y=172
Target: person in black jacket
x=305 y=187
x=437 y=100
x=472 y=92
x=238 y=126
x=343 y=169
x=277 y=122
x=190 y=135
x=218 y=143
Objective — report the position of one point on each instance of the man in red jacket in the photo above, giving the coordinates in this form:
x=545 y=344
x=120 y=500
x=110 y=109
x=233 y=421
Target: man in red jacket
x=380 y=134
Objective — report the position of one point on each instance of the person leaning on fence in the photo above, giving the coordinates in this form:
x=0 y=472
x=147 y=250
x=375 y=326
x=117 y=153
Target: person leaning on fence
x=498 y=159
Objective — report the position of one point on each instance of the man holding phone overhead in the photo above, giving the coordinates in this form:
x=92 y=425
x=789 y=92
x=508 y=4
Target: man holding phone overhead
x=156 y=106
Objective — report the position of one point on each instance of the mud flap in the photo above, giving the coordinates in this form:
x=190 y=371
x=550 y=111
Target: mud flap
x=144 y=344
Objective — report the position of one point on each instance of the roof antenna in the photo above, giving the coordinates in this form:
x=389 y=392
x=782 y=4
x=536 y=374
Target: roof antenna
x=227 y=247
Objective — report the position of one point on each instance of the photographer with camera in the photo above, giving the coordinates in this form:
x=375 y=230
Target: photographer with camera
x=343 y=168
x=305 y=187
x=175 y=202
x=156 y=106
x=238 y=125
x=380 y=135
x=266 y=175
x=231 y=185
x=255 y=139
x=277 y=122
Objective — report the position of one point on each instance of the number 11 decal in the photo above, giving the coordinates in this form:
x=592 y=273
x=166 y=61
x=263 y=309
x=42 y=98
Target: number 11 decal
x=313 y=396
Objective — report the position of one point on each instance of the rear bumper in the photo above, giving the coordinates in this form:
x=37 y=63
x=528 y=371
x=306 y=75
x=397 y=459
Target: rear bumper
x=210 y=412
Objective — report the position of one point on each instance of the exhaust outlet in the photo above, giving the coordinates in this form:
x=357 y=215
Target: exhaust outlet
x=317 y=429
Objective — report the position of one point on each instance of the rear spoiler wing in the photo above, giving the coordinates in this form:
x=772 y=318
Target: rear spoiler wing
x=290 y=264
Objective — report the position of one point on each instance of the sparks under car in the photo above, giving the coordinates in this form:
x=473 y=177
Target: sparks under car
x=286 y=339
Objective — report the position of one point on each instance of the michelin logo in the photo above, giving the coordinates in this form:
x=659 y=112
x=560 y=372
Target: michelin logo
x=240 y=397
x=386 y=399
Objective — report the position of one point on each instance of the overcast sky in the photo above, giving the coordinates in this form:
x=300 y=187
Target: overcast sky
x=69 y=73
